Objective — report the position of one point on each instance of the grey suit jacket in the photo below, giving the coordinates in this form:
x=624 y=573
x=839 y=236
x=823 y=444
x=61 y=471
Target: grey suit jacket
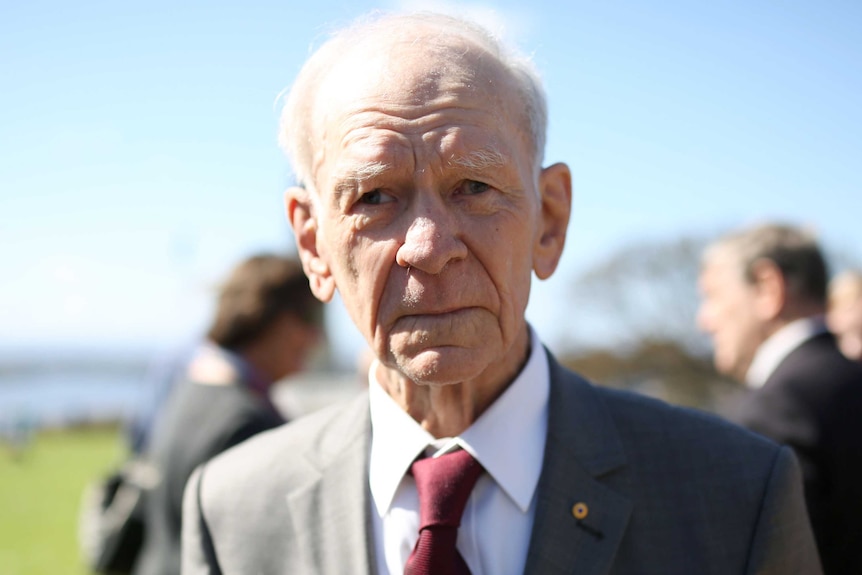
x=669 y=491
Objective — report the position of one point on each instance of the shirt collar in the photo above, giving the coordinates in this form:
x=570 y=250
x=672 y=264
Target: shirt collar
x=508 y=439
x=778 y=346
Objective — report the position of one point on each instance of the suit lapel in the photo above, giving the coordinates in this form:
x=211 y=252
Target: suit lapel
x=337 y=532
x=582 y=447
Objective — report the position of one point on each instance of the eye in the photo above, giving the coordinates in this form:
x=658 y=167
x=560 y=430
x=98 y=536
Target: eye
x=472 y=187
x=375 y=198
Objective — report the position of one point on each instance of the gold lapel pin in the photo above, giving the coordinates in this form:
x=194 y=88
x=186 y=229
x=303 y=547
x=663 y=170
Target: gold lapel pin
x=580 y=510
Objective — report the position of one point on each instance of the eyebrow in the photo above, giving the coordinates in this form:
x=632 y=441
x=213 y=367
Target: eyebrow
x=362 y=171
x=355 y=173
x=479 y=159
x=368 y=170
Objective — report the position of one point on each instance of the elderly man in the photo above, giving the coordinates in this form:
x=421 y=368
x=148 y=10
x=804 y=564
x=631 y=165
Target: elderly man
x=764 y=296
x=418 y=141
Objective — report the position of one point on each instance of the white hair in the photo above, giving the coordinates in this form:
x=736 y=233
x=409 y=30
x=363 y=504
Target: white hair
x=295 y=133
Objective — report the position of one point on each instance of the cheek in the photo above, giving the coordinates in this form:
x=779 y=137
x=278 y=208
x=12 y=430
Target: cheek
x=507 y=262
x=506 y=254
x=730 y=314
x=515 y=295
x=363 y=278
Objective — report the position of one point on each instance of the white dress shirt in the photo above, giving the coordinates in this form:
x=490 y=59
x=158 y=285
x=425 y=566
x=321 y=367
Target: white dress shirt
x=778 y=346
x=508 y=440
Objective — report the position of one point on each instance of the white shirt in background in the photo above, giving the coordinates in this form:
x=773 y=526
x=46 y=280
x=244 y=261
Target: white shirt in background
x=778 y=346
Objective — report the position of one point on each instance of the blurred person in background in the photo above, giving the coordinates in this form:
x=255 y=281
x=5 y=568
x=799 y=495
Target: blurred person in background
x=266 y=325
x=844 y=315
x=162 y=375
x=763 y=302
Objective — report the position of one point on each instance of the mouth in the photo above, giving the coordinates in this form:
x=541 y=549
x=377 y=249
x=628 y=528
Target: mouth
x=450 y=319
x=439 y=313
x=439 y=329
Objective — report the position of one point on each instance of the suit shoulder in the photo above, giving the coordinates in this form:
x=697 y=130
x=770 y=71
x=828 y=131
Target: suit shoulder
x=645 y=421
x=688 y=476
x=819 y=379
x=705 y=453
x=819 y=364
x=643 y=418
x=285 y=453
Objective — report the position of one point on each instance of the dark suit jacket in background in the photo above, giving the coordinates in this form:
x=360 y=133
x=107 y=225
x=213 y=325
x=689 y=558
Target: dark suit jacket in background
x=813 y=403
x=200 y=421
x=670 y=492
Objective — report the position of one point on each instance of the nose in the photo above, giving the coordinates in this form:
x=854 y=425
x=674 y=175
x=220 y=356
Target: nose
x=431 y=242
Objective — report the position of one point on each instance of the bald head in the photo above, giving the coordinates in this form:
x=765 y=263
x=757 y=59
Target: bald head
x=404 y=60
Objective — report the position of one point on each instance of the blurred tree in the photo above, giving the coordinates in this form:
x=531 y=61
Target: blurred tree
x=662 y=369
x=647 y=291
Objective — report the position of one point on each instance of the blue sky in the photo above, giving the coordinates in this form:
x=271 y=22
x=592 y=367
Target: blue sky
x=138 y=156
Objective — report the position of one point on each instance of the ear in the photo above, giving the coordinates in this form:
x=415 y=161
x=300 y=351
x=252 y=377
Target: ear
x=302 y=217
x=555 y=187
x=770 y=289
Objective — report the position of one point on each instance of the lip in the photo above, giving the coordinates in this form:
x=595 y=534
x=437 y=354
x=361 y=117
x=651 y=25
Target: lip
x=417 y=318
x=445 y=311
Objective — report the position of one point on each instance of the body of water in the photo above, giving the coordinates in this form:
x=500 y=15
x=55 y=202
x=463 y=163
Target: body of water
x=57 y=399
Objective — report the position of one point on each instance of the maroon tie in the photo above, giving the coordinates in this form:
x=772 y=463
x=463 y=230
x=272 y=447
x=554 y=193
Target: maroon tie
x=444 y=484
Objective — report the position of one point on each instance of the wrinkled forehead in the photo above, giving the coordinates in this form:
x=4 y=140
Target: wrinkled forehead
x=405 y=72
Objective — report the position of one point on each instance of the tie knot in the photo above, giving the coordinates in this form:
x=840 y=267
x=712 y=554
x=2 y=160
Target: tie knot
x=444 y=484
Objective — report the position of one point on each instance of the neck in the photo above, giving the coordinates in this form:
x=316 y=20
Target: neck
x=261 y=373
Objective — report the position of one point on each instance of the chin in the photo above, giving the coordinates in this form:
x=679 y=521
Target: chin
x=444 y=366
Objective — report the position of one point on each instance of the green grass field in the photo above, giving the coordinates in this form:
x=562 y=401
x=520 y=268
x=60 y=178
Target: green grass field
x=40 y=493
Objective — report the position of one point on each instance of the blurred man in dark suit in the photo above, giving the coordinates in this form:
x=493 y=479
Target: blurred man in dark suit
x=764 y=299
